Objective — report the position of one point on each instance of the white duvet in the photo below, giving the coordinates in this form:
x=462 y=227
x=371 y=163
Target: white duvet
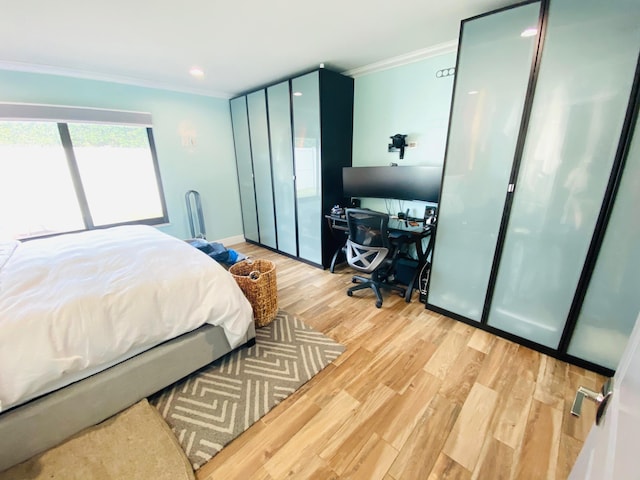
x=81 y=302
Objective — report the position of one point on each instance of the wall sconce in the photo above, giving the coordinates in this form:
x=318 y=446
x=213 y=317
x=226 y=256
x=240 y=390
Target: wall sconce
x=398 y=142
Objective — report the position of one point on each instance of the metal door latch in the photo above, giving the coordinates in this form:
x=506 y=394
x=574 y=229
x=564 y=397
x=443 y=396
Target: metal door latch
x=601 y=398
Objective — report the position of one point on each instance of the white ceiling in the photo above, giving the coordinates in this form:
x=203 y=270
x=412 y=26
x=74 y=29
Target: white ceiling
x=239 y=44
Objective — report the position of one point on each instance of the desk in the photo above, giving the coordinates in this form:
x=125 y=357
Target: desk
x=400 y=233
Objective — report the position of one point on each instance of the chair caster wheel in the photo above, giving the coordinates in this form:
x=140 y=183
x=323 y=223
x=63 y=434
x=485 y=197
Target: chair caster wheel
x=353 y=280
x=350 y=294
x=378 y=304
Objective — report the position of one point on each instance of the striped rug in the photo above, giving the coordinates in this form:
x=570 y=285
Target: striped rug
x=216 y=404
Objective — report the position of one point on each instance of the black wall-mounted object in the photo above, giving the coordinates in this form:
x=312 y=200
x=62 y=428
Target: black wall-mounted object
x=398 y=143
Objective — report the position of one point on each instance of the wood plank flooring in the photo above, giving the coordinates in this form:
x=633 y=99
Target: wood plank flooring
x=416 y=395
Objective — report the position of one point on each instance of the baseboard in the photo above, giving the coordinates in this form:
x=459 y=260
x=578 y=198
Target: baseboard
x=231 y=240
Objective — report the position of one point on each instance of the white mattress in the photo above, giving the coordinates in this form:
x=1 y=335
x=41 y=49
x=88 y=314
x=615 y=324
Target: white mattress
x=78 y=303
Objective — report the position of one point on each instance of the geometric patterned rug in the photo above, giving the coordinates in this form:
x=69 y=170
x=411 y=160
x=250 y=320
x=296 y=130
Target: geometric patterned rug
x=214 y=405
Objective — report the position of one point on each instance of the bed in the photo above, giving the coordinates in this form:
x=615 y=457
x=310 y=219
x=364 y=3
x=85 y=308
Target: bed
x=92 y=322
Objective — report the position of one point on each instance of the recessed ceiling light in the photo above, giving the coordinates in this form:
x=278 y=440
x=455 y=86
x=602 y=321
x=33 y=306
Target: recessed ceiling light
x=297 y=94
x=196 y=72
x=473 y=92
x=529 y=32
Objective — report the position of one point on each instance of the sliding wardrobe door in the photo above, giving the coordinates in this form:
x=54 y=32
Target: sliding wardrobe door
x=612 y=303
x=582 y=92
x=306 y=149
x=244 y=165
x=260 y=151
x=279 y=104
x=494 y=64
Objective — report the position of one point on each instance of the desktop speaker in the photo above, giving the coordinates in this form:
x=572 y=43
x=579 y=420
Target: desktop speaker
x=355 y=203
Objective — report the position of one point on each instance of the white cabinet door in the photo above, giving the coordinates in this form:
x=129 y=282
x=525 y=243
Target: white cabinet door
x=261 y=155
x=610 y=451
x=240 y=121
x=307 y=156
x=279 y=104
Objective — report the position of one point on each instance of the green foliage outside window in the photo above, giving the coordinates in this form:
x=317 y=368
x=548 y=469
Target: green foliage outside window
x=100 y=135
x=83 y=135
x=28 y=134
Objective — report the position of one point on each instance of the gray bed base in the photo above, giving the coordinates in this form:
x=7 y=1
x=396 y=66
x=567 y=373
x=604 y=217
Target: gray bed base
x=48 y=420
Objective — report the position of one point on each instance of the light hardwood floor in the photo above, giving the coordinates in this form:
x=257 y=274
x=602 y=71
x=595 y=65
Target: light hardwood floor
x=416 y=395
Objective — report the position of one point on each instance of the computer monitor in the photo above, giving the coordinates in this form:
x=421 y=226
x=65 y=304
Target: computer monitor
x=401 y=183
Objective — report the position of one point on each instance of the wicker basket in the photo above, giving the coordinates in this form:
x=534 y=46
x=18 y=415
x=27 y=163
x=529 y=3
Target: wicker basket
x=257 y=279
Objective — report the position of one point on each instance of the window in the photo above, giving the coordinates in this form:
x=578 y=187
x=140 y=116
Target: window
x=63 y=176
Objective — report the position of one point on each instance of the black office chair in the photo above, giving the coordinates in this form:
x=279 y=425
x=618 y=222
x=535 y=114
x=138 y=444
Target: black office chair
x=369 y=250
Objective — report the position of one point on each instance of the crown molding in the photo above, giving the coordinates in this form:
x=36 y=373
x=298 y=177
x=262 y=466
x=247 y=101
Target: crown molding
x=411 y=57
x=74 y=73
x=407 y=58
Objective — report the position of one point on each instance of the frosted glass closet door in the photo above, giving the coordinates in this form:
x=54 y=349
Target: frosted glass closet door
x=259 y=130
x=612 y=302
x=306 y=149
x=588 y=62
x=279 y=104
x=493 y=70
x=244 y=165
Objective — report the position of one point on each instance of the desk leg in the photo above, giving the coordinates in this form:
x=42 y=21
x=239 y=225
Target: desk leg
x=334 y=259
x=422 y=258
x=409 y=293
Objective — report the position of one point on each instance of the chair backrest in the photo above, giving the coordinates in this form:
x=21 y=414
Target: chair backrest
x=368 y=227
x=368 y=243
